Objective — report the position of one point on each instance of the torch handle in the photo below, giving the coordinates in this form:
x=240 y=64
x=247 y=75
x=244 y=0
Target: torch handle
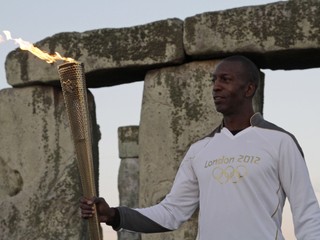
x=74 y=90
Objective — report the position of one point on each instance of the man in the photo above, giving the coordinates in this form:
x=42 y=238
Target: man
x=239 y=176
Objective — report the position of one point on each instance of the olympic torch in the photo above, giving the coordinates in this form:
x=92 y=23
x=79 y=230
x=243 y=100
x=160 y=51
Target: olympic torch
x=74 y=90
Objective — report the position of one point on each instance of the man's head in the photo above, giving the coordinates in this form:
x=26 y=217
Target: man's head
x=235 y=81
x=250 y=71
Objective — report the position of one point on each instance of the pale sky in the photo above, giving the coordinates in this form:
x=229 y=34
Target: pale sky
x=291 y=97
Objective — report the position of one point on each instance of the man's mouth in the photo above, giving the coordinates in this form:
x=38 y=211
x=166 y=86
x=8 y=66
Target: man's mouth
x=218 y=98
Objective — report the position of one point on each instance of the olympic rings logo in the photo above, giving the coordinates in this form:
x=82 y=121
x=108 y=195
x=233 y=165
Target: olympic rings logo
x=229 y=174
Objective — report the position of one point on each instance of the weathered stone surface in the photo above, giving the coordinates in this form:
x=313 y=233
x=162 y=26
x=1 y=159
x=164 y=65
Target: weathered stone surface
x=110 y=56
x=128 y=177
x=128 y=139
x=281 y=35
x=39 y=180
x=128 y=186
x=177 y=110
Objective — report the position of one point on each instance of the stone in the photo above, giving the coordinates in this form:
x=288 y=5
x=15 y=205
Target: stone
x=128 y=140
x=39 y=179
x=111 y=56
x=128 y=177
x=281 y=35
x=128 y=186
x=177 y=110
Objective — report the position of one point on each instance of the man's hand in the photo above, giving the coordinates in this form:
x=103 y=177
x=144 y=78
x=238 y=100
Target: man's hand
x=105 y=213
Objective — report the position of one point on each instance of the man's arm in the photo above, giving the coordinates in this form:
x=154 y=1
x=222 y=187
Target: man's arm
x=177 y=207
x=119 y=218
x=296 y=183
x=132 y=220
x=183 y=199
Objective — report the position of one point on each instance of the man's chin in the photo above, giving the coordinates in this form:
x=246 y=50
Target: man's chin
x=220 y=109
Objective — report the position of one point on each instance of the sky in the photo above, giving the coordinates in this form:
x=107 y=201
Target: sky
x=291 y=97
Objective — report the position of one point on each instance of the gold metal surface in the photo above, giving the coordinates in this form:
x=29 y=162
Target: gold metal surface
x=74 y=90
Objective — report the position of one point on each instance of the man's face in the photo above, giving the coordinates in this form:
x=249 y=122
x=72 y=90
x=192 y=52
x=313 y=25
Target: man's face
x=229 y=88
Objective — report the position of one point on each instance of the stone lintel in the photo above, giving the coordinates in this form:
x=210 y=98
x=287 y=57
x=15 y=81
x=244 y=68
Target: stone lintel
x=281 y=35
x=111 y=56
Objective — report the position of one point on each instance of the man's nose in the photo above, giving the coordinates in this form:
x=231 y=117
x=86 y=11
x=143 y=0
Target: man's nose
x=216 y=85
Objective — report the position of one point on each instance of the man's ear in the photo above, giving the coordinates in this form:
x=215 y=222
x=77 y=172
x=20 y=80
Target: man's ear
x=251 y=89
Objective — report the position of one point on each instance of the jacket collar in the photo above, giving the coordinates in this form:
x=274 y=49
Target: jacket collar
x=256 y=119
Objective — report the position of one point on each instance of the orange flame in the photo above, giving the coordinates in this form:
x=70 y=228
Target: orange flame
x=24 y=45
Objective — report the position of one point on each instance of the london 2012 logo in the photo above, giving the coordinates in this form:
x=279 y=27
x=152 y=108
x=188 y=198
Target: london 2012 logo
x=229 y=174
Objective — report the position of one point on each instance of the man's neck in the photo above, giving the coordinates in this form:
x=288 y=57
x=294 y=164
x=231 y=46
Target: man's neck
x=237 y=122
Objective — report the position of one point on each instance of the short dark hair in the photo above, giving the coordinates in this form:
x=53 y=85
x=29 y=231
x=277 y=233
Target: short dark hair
x=251 y=70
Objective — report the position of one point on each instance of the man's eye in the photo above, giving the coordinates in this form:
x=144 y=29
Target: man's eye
x=213 y=79
x=225 y=79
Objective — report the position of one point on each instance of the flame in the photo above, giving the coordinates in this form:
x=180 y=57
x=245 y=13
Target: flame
x=24 y=45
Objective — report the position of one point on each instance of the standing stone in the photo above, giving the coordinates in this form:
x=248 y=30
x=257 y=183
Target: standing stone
x=39 y=180
x=128 y=178
x=177 y=110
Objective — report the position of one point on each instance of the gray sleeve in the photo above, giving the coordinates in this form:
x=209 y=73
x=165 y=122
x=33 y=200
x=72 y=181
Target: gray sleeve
x=132 y=220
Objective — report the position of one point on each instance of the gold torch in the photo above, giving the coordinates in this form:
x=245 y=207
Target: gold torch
x=74 y=90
